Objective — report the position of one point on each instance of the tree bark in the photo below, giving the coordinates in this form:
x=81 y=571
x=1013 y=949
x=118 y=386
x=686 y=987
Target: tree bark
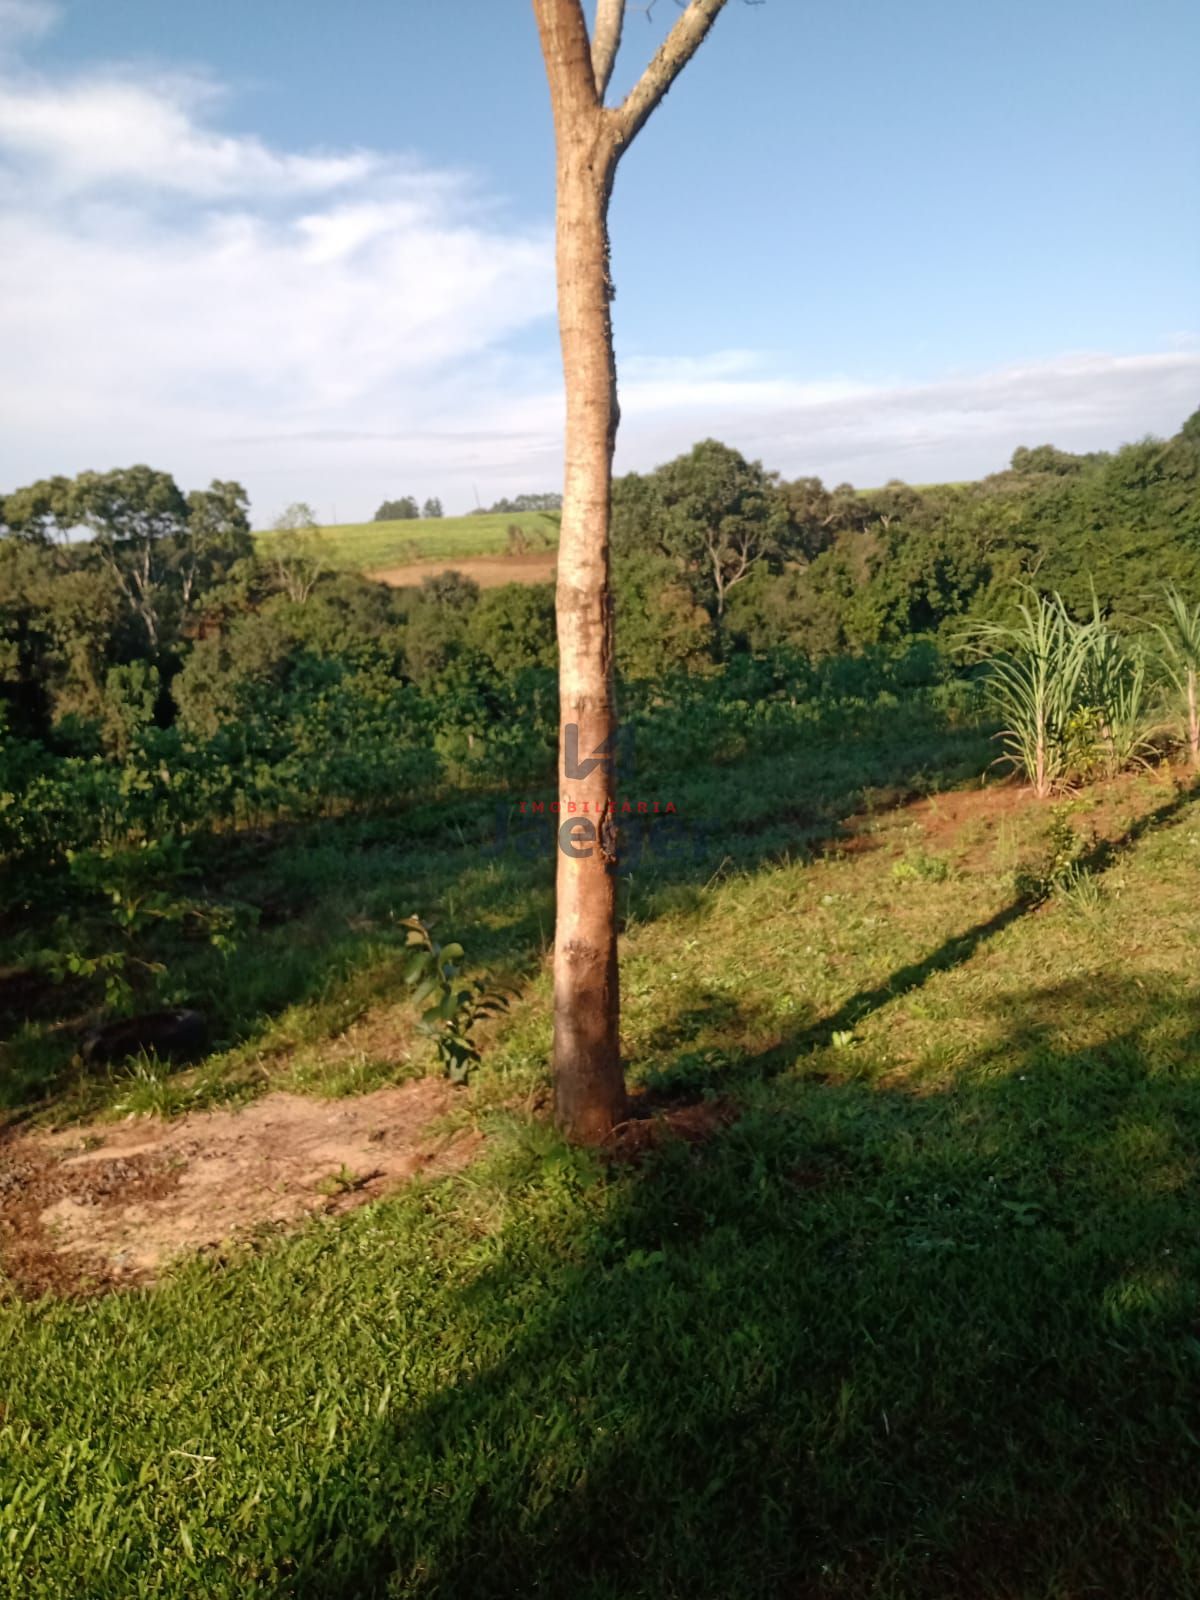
x=606 y=41
x=589 y=1082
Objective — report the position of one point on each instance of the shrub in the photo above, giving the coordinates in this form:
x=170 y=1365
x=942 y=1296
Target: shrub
x=451 y=1013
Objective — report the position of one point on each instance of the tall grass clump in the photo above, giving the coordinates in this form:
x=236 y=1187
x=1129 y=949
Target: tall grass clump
x=1111 y=723
x=1072 y=697
x=1035 y=668
x=1180 y=655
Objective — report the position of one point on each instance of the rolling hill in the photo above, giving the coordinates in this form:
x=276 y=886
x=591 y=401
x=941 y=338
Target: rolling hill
x=402 y=552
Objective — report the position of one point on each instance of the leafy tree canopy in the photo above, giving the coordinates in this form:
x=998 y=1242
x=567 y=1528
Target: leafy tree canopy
x=402 y=510
x=525 y=502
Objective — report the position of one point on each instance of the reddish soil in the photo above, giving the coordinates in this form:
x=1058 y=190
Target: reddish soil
x=97 y=1208
x=944 y=817
x=489 y=572
x=651 y=1123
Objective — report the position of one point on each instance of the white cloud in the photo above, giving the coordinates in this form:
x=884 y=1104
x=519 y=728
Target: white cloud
x=290 y=317
x=337 y=326
x=171 y=291
x=110 y=130
x=23 y=20
x=957 y=426
x=507 y=439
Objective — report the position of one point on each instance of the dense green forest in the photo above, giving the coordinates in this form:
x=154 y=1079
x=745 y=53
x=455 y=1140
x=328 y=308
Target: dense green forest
x=158 y=674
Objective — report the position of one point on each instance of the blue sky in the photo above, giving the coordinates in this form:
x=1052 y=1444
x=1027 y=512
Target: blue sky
x=310 y=246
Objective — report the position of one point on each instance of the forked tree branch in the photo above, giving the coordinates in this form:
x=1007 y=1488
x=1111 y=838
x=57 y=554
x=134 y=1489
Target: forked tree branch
x=579 y=67
x=606 y=41
x=676 y=50
x=568 y=53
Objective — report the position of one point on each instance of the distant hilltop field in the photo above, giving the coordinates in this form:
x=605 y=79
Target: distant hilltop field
x=491 y=547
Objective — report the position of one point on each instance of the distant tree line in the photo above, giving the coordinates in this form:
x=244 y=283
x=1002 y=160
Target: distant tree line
x=407 y=510
x=714 y=555
x=522 y=503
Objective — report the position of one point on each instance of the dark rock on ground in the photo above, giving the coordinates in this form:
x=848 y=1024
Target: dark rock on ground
x=179 y=1035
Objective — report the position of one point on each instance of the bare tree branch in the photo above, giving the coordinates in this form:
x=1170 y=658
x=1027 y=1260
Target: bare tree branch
x=606 y=41
x=676 y=50
x=567 y=49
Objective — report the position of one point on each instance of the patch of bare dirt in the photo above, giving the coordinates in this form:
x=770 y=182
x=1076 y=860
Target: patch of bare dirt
x=944 y=817
x=852 y=841
x=1111 y=803
x=95 y=1208
x=652 y=1122
x=969 y=820
x=489 y=572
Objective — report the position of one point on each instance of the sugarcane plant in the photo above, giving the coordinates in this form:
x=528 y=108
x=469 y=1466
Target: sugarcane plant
x=1113 y=712
x=1035 y=667
x=1180 y=655
x=1073 y=697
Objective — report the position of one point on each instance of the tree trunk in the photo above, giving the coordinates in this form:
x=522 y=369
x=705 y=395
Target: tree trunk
x=589 y=1083
x=718 y=583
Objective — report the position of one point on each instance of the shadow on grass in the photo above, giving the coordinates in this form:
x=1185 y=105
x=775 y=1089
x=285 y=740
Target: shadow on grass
x=697 y=1072
x=863 y=1343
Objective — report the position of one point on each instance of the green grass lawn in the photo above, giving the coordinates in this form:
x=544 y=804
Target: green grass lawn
x=371 y=546
x=922 y=1320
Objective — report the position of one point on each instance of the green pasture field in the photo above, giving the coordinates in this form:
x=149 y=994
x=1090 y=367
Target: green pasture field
x=374 y=546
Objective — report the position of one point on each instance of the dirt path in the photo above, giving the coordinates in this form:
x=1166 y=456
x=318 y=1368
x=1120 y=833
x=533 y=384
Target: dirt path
x=96 y=1208
x=489 y=572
